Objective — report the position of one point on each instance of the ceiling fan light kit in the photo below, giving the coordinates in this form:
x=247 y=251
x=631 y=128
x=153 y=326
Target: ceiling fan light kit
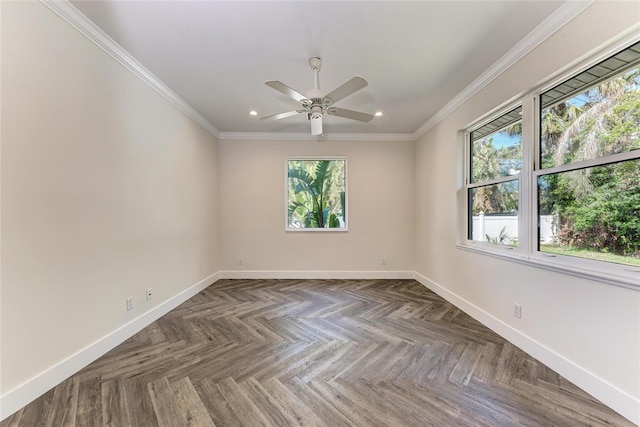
x=315 y=104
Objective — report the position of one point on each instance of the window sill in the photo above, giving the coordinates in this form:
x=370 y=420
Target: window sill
x=624 y=276
x=316 y=230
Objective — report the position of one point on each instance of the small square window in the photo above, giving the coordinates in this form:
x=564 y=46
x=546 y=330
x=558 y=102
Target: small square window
x=316 y=198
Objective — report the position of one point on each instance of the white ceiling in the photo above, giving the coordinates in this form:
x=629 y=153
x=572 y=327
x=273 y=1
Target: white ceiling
x=416 y=56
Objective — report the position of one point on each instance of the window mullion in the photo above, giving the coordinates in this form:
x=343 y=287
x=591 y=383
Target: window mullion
x=612 y=158
x=495 y=181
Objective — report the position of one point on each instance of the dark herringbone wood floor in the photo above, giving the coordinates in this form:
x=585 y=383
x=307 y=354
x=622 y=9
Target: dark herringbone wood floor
x=316 y=353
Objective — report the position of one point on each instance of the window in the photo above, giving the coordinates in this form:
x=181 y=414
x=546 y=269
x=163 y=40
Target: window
x=557 y=179
x=589 y=179
x=316 y=194
x=495 y=164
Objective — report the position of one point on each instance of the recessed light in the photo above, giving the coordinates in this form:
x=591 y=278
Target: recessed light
x=253 y=113
x=378 y=113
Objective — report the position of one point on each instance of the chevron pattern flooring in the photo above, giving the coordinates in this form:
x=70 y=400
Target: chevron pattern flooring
x=316 y=353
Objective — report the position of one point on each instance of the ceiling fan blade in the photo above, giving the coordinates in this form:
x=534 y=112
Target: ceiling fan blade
x=281 y=87
x=353 y=85
x=282 y=115
x=349 y=114
x=316 y=126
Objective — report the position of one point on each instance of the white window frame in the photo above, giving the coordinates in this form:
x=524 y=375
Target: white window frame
x=286 y=194
x=527 y=251
x=470 y=185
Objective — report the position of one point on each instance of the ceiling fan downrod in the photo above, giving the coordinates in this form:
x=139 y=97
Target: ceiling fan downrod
x=315 y=94
x=316 y=64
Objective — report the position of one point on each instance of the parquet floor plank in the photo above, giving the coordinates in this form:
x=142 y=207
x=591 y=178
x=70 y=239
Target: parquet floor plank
x=64 y=404
x=165 y=404
x=292 y=404
x=316 y=353
x=218 y=408
x=191 y=405
x=275 y=414
x=142 y=413
x=114 y=403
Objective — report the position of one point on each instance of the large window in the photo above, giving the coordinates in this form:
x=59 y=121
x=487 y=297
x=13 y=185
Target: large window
x=577 y=173
x=589 y=180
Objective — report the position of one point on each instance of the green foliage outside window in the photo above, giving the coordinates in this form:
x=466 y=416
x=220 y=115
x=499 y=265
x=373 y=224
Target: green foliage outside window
x=598 y=208
x=316 y=196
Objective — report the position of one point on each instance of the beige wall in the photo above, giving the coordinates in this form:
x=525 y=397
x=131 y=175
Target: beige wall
x=593 y=325
x=380 y=208
x=107 y=189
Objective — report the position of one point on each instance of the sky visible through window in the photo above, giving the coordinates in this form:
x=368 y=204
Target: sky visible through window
x=503 y=140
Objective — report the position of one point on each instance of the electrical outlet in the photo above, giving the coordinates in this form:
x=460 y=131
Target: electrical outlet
x=149 y=294
x=239 y=261
x=129 y=303
x=517 y=310
x=384 y=261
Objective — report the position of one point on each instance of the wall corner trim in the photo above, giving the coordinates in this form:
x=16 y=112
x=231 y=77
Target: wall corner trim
x=558 y=19
x=20 y=396
x=69 y=13
x=618 y=400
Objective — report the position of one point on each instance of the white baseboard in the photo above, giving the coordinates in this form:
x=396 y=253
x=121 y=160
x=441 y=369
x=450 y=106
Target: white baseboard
x=288 y=274
x=20 y=396
x=618 y=400
x=613 y=397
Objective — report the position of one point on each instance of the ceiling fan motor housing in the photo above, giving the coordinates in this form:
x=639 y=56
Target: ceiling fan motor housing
x=313 y=94
x=316 y=111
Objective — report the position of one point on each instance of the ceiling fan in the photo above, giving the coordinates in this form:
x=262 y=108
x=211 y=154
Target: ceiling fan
x=315 y=104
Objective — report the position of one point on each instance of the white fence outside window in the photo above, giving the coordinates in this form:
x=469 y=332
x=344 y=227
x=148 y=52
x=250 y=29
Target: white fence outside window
x=493 y=226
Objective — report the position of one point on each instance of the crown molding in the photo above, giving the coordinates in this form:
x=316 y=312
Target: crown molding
x=564 y=14
x=558 y=19
x=270 y=136
x=65 y=10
